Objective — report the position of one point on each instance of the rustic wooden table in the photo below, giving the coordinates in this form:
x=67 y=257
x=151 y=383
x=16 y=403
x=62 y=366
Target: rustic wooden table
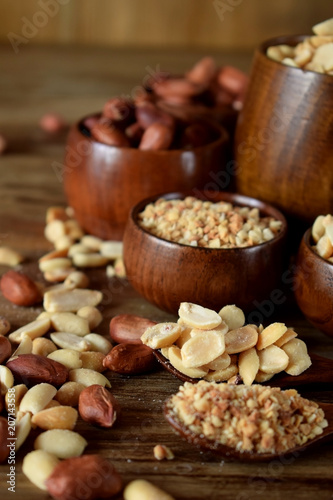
x=74 y=82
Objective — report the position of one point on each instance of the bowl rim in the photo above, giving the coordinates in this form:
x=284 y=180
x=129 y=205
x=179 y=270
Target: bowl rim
x=283 y=39
x=223 y=138
x=307 y=242
x=241 y=200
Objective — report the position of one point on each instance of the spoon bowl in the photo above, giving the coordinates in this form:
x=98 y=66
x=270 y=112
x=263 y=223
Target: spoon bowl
x=320 y=372
x=246 y=456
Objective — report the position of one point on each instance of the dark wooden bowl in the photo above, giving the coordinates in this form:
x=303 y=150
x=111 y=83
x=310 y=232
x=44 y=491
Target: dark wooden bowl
x=102 y=183
x=168 y=273
x=283 y=142
x=313 y=286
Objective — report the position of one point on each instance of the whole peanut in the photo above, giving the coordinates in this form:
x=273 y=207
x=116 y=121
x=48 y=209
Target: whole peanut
x=107 y=134
x=156 y=137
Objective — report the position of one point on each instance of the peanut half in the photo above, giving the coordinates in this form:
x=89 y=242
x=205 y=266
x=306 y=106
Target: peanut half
x=38 y=466
x=71 y=300
x=161 y=335
x=61 y=442
x=202 y=348
x=199 y=317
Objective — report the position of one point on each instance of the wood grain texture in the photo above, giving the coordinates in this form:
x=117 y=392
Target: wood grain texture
x=61 y=80
x=149 y=23
x=284 y=149
x=314 y=286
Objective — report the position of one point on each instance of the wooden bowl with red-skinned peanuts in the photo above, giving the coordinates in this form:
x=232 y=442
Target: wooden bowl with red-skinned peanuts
x=103 y=181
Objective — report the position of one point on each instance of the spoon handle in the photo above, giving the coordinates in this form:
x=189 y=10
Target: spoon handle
x=320 y=372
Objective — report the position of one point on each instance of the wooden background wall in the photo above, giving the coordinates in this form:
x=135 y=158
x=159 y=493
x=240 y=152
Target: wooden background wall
x=162 y=23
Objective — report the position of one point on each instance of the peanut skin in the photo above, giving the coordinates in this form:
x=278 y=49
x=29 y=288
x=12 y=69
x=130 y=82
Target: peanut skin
x=107 y=134
x=157 y=137
x=5 y=349
x=98 y=406
x=147 y=114
x=19 y=289
x=128 y=328
x=130 y=359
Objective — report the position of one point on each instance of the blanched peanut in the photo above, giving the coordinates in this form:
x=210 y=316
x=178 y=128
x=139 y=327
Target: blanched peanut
x=219 y=363
x=199 y=317
x=71 y=300
x=324 y=247
x=76 y=279
x=202 y=348
x=22 y=430
x=92 y=315
x=88 y=377
x=248 y=364
x=233 y=316
x=79 y=248
x=70 y=323
x=98 y=343
x=165 y=352
x=54 y=264
x=54 y=230
x=262 y=377
x=37 y=398
x=38 y=465
x=324 y=28
x=58 y=275
x=15 y=396
x=68 y=394
x=288 y=335
x=93 y=360
x=272 y=360
x=299 y=360
x=63 y=243
x=185 y=335
x=51 y=404
x=270 y=335
x=42 y=346
x=25 y=347
x=55 y=254
x=112 y=249
x=70 y=341
x=175 y=359
x=6 y=379
x=89 y=260
x=61 y=442
x=67 y=357
x=318 y=229
x=161 y=335
x=35 y=329
x=222 y=375
x=92 y=242
x=9 y=257
x=143 y=490
x=56 y=213
x=73 y=229
x=240 y=339
x=58 y=417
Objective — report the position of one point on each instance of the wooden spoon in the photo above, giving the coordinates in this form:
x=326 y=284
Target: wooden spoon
x=247 y=456
x=320 y=372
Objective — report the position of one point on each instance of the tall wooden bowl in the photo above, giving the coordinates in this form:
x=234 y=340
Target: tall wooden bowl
x=102 y=183
x=168 y=273
x=313 y=286
x=284 y=137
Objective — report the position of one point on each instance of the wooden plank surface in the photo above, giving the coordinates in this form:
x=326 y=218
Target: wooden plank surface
x=74 y=81
x=213 y=24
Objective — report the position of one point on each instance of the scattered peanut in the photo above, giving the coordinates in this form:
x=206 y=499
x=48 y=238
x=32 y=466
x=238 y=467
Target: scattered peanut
x=61 y=442
x=38 y=466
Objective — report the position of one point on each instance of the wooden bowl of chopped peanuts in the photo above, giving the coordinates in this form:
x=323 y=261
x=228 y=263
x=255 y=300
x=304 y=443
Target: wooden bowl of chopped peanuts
x=226 y=249
x=283 y=141
x=313 y=283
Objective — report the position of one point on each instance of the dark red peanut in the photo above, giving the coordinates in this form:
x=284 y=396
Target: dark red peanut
x=98 y=406
x=202 y=72
x=88 y=477
x=32 y=369
x=118 y=109
x=130 y=359
x=52 y=122
x=5 y=349
x=156 y=137
x=129 y=328
x=19 y=289
x=134 y=133
x=177 y=87
x=232 y=80
x=147 y=114
x=107 y=134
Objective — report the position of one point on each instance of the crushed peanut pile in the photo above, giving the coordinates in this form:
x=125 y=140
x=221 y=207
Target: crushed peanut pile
x=315 y=53
x=218 y=347
x=254 y=419
x=206 y=224
x=322 y=234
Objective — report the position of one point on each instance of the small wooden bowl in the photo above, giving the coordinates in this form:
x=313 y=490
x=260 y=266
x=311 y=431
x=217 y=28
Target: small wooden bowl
x=168 y=273
x=314 y=286
x=283 y=141
x=102 y=183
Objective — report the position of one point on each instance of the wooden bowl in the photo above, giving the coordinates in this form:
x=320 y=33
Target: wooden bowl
x=313 y=286
x=283 y=142
x=168 y=273
x=102 y=183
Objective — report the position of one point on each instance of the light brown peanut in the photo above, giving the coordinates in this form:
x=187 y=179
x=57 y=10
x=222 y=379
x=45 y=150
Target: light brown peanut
x=88 y=377
x=57 y=417
x=70 y=323
x=92 y=315
x=68 y=394
x=43 y=346
x=240 y=339
x=67 y=357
